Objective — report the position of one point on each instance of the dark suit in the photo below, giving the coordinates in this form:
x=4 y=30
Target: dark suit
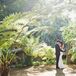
x=57 y=48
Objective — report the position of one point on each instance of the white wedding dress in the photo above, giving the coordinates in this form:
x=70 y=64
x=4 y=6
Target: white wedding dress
x=60 y=63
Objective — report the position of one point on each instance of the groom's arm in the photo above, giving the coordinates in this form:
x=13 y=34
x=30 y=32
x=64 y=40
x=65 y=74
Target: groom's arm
x=59 y=48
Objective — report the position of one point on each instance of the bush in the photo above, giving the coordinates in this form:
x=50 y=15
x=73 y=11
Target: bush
x=45 y=55
x=37 y=63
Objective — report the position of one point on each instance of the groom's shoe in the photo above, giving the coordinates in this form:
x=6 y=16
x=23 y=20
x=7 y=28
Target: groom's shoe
x=57 y=68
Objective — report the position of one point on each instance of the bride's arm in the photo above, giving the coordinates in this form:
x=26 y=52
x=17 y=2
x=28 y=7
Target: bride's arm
x=62 y=49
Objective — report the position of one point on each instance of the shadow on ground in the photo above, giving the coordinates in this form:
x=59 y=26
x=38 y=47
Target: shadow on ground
x=43 y=71
x=59 y=73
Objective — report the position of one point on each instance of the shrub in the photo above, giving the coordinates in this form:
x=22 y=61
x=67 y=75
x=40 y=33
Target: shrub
x=45 y=54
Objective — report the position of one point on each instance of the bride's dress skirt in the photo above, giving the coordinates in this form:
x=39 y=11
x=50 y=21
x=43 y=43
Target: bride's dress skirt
x=60 y=63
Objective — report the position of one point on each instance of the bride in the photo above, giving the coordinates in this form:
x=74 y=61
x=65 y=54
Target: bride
x=60 y=63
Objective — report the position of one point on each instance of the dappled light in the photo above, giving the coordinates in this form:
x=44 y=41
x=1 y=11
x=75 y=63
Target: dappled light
x=35 y=35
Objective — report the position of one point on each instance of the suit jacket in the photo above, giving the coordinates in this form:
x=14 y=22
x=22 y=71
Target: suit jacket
x=57 y=48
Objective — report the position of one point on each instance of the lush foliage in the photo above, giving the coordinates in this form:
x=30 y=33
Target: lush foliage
x=29 y=29
x=36 y=28
x=25 y=29
x=69 y=35
x=12 y=6
x=43 y=55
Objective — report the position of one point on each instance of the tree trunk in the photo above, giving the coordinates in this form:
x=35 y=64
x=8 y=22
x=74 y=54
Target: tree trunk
x=5 y=72
x=69 y=59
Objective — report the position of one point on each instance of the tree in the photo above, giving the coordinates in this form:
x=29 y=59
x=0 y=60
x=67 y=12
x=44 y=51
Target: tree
x=12 y=6
x=69 y=35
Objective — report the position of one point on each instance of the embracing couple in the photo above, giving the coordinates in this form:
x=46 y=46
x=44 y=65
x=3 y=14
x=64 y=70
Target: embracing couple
x=59 y=47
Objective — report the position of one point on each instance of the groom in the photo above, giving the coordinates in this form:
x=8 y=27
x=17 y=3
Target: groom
x=57 y=48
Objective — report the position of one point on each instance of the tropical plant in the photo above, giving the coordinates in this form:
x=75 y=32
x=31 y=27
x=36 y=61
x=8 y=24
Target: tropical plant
x=6 y=58
x=44 y=54
x=69 y=36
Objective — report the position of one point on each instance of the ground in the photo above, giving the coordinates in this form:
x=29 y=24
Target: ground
x=44 y=71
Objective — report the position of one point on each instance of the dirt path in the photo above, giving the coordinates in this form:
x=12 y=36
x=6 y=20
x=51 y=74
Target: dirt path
x=44 y=71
